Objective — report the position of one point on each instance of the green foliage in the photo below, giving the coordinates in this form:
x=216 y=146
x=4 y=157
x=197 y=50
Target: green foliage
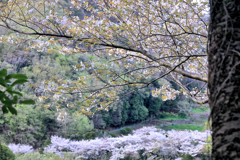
x=156 y=84
x=182 y=115
x=208 y=125
x=126 y=131
x=169 y=105
x=167 y=114
x=183 y=127
x=140 y=152
x=138 y=111
x=31 y=126
x=112 y=135
x=74 y=127
x=200 y=110
x=101 y=120
x=90 y=135
x=43 y=66
x=6 y=153
x=142 y=113
x=7 y=83
x=45 y=156
x=203 y=108
x=116 y=115
x=207 y=150
x=187 y=157
x=154 y=104
x=125 y=108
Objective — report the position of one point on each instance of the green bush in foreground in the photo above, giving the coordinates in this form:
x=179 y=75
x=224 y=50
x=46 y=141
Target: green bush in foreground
x=6 y=153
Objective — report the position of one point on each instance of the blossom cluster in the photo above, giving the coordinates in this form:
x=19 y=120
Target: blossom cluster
x=20 y=148
x=152 y=141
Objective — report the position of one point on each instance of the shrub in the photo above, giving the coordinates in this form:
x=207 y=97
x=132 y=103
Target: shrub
x=126 y=130
x=202 y=108
x=20 y=148
x=123 y=131
x=187 y=157
x=112 y=135
x=6 y=153
x=208 y=147
x=90 y=135
x=167 y=114
x=163 y=114
x=182 y=115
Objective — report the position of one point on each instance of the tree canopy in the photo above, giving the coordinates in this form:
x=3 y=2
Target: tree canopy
x=140 y=41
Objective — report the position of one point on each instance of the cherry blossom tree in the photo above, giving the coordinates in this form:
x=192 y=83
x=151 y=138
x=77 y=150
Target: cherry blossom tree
x=20 y=148
x=153 y=142
x=141 y=41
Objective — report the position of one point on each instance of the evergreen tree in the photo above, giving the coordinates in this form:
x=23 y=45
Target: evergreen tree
x=138 y=111
x=154 y=105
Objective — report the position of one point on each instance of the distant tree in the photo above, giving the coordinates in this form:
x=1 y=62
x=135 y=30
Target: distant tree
x=138 y=111
x=154 y=105
x=125 y=111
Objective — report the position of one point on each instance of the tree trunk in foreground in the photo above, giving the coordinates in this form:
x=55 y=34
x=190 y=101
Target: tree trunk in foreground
x=224 y=78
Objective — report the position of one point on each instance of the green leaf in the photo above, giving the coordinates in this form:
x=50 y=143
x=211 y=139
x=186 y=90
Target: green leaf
x=12 y=110
x=2 y=97
x=3 y=73
x=4 y=109
x=19 y=81
x=10 y=76
x=2 y=82
x=15 y=98
x=9 y=88
x=20 y=76
x=27 y=102
x=14 y=92
x=8 y=101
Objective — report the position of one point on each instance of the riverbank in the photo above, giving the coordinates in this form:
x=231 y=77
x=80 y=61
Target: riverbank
x=198 y=120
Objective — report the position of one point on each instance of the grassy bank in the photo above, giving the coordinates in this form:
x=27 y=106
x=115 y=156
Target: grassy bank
x=182 y=127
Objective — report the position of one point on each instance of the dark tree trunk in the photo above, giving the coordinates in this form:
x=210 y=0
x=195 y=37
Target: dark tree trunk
x=224 y=78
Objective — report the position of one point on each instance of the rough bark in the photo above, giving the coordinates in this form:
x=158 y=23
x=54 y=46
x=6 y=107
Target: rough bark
x=224 y=78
